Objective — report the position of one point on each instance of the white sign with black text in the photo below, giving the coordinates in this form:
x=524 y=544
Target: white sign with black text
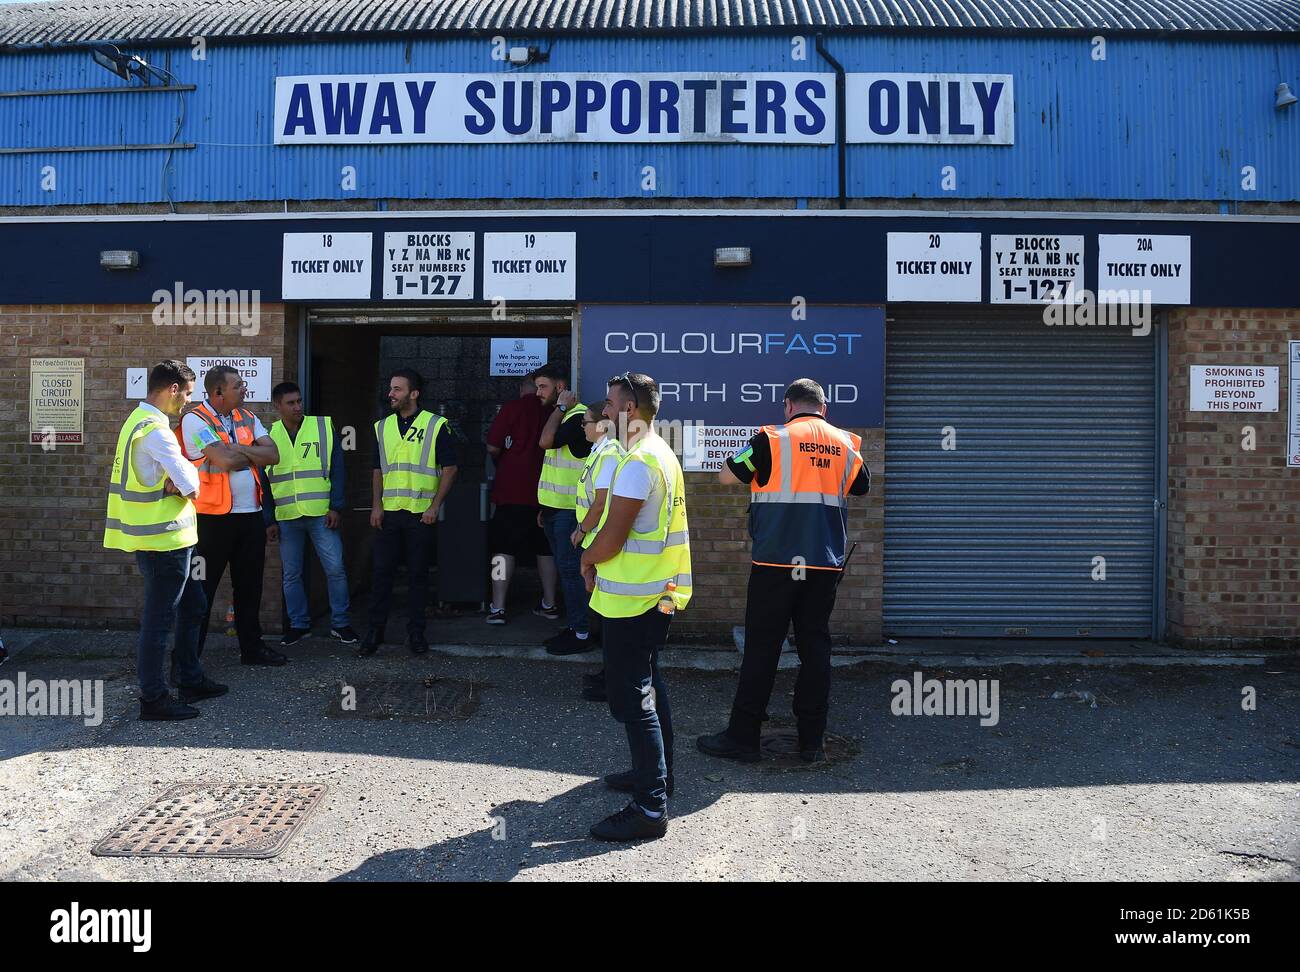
x=529 y=266
x=137 y=383
x=1132 y=264
x=1035 y=269
x=517 y=356
x=935 y=267
x=255 y=371
x=1233 y=388
x=1293 y=405
x=326 y=266
x=428 y=265
x=706 y=447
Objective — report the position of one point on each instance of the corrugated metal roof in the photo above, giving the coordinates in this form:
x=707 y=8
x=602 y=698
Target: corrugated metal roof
x=76 y=21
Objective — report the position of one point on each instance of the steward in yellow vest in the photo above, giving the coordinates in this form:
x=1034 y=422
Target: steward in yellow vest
x=151 y=490
x=307 y=498
x=597 y=473
x=566 y=449
x=146 y=516
x=638 y=570
x=415 y=466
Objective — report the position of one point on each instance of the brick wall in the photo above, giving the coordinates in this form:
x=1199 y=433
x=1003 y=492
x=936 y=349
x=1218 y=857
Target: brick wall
x=54 y=569
x=1234 y=514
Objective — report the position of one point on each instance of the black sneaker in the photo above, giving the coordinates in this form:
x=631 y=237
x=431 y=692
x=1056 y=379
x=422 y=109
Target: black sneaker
x=568 y=643
x=293 y=636
x=594 y=678
x=630 y=823
x=370 y=644
x=721 y=745
x=496 y=617
x=206 y=689
x=417 y=644
x=344 y=634
x=812 y=753
x=549 y=613
x=595 y=693
x=624 y=782
x=165 y=709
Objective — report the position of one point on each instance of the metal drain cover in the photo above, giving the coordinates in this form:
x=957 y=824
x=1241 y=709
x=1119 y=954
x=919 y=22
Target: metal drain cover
x=780 y=748
x=431 y=699
x=254 y=820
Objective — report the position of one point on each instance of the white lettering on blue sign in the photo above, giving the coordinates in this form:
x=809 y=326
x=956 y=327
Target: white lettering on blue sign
x=784 y=107
x=950 y=109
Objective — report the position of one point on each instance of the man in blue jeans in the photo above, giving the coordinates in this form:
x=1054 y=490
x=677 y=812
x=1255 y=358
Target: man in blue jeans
x=306 y=490
x=151 y=514
x=566 y=450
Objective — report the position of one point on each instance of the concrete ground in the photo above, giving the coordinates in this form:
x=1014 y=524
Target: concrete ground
x=1168 y=778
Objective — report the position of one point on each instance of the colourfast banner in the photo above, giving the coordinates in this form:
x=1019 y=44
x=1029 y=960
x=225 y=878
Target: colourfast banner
x=467 y=108
x=730 y=365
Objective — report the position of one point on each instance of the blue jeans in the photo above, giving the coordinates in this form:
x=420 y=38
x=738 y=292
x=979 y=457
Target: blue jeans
x=173 y=600
x=638 y=698
x=329 y=550
x=559 y=526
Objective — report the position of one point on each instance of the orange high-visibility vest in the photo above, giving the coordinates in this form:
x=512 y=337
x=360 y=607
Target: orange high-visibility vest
x=214 y=484
x=800 y=516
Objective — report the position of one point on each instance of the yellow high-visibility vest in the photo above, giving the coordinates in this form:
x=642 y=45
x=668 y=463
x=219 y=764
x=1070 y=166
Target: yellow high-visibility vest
x=633 y=580
x=602 y=454
x=407 y=462
x=561 y=469
x=300 y=481
x=142 y=516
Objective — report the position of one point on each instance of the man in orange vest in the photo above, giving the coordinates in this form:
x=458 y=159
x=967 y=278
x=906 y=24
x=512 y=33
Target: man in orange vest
x=228 y=445
x=799 y=475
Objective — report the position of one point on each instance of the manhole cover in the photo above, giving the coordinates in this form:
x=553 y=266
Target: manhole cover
x=780 y=748
x=215 y=820
x=431 y=699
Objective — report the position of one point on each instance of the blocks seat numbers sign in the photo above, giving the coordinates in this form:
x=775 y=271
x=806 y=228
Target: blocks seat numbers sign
x=1034 y=269
x=1161 y=265
x=428 y=265
x=326 y=266
x=935 y=267
x=1233 y=388
x=529 y=266
x=255 y=371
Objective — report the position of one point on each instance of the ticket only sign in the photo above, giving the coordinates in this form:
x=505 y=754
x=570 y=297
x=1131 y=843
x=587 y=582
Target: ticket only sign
x=730 y=365
x=778 y=107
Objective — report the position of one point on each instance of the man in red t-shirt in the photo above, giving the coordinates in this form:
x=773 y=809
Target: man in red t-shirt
x=512 y=442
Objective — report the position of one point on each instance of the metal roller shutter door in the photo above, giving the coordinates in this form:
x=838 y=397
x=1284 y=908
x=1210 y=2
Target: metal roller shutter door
x=1054 y=465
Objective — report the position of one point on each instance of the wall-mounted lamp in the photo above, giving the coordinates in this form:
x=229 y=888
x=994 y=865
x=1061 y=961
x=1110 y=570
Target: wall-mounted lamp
x=125 y=66
x=1284 y=96
x=119 y=259
x=520 y=56
x=731 y=256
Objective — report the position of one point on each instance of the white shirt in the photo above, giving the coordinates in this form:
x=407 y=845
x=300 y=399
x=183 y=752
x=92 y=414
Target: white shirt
x=159 y=453
x=638 y=481
x=243 y=483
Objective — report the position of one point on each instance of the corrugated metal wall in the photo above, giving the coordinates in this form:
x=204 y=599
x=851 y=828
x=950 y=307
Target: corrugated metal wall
x=1156 y=120
x=1053 y=465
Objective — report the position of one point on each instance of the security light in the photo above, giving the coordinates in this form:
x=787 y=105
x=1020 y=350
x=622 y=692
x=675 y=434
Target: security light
x=119 y=259
x=731 y=256
x=1284 y=96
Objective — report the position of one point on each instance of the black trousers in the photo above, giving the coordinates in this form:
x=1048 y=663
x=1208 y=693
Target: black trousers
x=402 y=536
x=237 y=540
x=638 y=698
x=775 y=601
